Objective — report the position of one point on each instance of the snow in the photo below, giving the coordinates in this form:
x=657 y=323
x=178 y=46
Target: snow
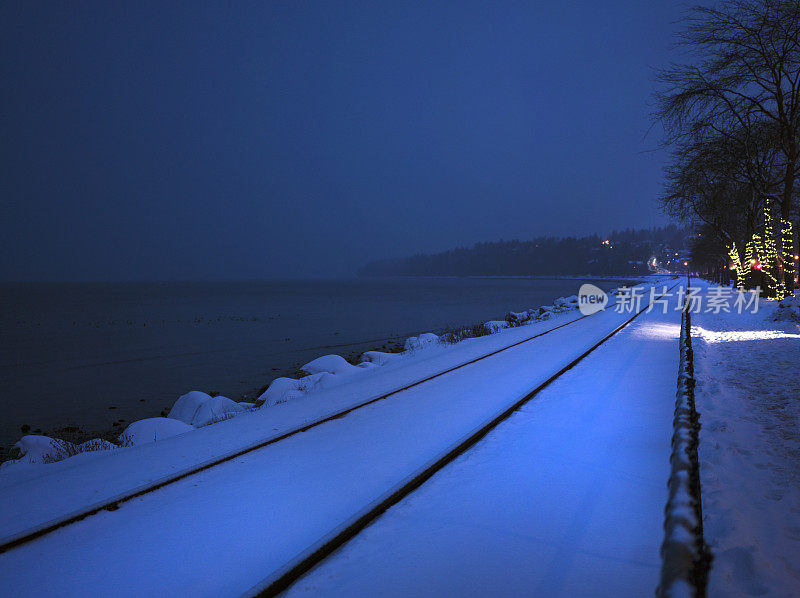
x=682 y=548
x=35 y=448
x=422 y=341
x=789 y=309
x=216 y=409
x=563 y=499
x=565 y=466
x=280 y=391
x=333 y=364
x=378 y=357
x=496 y=325
x=747 y=394
x=152 y=430
x=187 y=405
x=199 y=409
x=517 y=318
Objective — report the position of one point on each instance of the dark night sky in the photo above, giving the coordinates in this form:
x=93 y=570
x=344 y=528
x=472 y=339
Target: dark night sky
x=161 y=140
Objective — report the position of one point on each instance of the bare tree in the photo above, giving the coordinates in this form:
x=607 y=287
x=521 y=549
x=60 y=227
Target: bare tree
x=743 y=90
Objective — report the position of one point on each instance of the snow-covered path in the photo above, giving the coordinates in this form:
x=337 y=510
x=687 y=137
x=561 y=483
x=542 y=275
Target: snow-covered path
x=566 y=498
x=598 y=448
x=747 y=394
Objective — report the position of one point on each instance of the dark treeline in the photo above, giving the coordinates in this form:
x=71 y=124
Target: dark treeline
x=620 y=253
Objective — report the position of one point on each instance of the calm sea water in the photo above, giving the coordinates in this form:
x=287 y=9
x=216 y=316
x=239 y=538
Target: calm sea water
x=92 y=354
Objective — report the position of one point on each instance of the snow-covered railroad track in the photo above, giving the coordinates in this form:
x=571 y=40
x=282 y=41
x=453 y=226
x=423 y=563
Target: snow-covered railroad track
x=283 y=578
x=219 y=530
x=114 y=503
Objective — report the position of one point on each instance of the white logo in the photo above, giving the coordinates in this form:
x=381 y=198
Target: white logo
x=591 y=299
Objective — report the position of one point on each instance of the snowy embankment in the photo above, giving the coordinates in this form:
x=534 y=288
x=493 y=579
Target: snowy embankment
x=747 y=393
x=197 y=409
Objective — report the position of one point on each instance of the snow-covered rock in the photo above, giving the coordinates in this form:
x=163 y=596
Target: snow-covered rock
x=199 y=409
x=420 y=342
x=153 y=429
x=378 y=357
x=572 y=301
x=43 y=449
x=317 y=381
x=517 y=318
x=34 y=448
x=496 y=325
x=333 y=364
x=279 y=391
x=96 y=444
x=565 y=303
x=215 y=409
x=282 y=390
x=187 y=405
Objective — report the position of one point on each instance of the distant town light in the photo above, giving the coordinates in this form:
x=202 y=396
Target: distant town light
x=685 y=263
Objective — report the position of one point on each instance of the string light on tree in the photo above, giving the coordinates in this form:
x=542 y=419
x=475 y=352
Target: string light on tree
x=787 y=250
x=736 y=264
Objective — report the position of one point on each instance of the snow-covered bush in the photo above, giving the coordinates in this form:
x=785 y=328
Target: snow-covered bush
x=216 y=409
x=152 y=429
x=333 y=364
x=518 y=318
x=495 y=326
x=323 y=372
x=280 y=390
x=378 y=357
x=199 y=409
x=422 y=341
x=187 y=405
x=43 y=449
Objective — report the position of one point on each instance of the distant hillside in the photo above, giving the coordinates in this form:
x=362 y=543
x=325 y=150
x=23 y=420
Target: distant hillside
x=620 y=253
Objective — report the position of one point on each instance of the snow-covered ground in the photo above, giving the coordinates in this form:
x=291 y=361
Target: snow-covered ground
x=224 y=529
x=747 y=368
x=565 y=498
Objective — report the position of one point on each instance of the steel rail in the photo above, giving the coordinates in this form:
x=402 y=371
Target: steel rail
x=284 y=577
